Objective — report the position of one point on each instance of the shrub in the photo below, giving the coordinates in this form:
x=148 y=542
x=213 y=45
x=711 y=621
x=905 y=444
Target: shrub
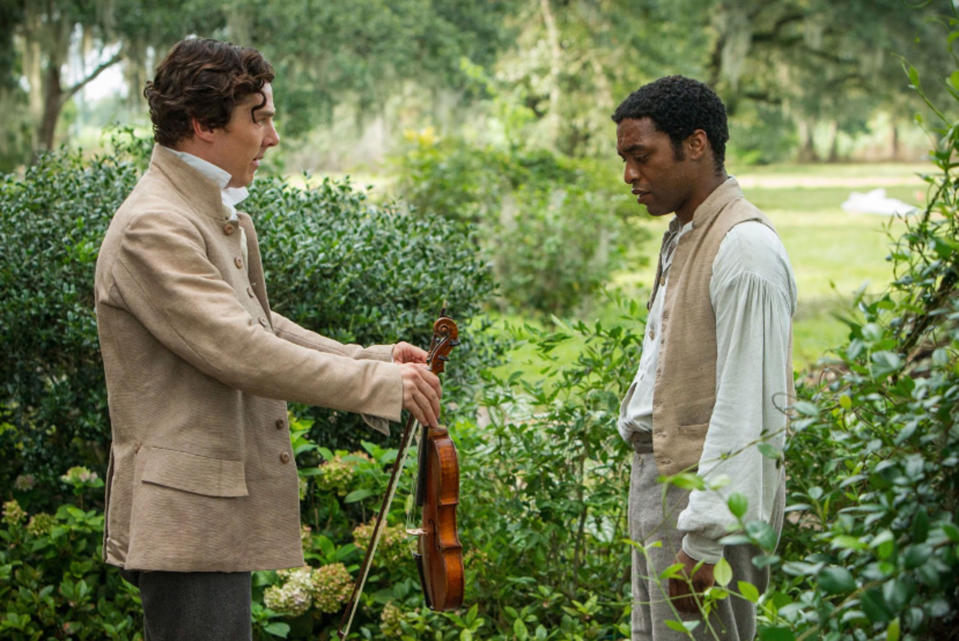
x=53 y=584
x=541 y=513
x=548 y=223
x=335 y=263
x=871 y=548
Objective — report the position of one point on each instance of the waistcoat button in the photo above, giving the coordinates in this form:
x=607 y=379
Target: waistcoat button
x=280 y=423
x=284 y=458
x=238 y=262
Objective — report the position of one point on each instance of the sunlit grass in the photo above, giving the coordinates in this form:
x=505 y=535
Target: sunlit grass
x=834 y=253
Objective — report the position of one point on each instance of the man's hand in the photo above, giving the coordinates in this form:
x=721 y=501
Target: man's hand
x=403 y=352
x=421 y=393
x=702 y=580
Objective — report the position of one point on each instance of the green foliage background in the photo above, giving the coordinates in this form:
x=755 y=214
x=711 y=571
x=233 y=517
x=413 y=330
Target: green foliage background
x=340 y=265
x=871 y=546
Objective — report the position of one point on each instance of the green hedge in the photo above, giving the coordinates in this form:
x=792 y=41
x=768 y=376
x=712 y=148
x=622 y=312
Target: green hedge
x=335 y=263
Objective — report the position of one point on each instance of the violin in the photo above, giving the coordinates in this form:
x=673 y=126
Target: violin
x=439 y=556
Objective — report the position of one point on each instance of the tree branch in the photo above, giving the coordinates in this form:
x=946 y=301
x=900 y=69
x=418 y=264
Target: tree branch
x=69 y=93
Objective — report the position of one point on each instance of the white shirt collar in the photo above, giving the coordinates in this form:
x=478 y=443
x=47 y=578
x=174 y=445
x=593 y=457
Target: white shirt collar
x=232 y=196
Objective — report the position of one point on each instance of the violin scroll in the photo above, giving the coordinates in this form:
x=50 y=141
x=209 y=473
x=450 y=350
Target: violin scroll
x=445 y=338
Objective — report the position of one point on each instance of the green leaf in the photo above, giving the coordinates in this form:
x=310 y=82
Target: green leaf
x=683 y=627
x=277 y=629
x=748 y=591
x=674 y=571
x=687 y=481
x=519 y=630
x=951 y=531
x=920 y=526
x=776 y=634
x=806 y=408
x=892 y=630
x=769 y=451
x=357 y=495
x=738 y=504
x=836 y=580
x=763 y=533
x=874 y=606
x=723 y=572
x=916 y=555
x=913 y=76
x=848 y=542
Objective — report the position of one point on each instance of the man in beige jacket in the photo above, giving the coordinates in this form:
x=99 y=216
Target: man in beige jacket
x=202 y=485
x=715 y=370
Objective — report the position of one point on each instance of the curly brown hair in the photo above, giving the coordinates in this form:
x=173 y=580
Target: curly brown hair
x=203 y=79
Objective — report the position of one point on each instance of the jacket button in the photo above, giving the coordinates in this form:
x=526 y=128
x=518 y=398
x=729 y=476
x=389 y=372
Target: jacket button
x=284 y=458
x=238 y=262
x=280 y=423
x=228 y=229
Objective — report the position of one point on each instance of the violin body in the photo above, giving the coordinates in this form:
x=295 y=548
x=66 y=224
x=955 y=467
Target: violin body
x=440 y=556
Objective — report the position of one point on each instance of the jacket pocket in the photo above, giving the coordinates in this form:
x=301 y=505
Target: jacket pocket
x=192 y=473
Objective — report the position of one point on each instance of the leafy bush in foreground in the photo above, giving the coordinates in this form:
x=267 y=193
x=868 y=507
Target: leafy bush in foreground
x=871 y=548
x=335 y=263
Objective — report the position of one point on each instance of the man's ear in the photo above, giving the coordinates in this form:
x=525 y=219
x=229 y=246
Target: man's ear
x=200 y=131
x=697 y=144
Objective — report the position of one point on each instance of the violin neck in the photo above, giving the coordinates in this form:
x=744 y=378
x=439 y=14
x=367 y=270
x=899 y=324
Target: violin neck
x=421 y=480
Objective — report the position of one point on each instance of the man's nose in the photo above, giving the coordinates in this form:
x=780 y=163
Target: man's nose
x=272 y=138
x=630 y=174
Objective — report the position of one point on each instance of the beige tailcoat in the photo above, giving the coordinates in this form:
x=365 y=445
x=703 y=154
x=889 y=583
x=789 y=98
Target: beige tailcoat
x=198 y=369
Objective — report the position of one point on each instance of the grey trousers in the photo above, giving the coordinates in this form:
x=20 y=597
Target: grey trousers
x=651 y=519
x=194 y=606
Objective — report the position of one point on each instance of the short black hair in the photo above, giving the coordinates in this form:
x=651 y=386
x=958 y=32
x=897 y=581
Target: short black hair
x=678 y=106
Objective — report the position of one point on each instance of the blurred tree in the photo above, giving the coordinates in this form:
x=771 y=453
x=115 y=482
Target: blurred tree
x=795 y=63
x=39 y=36
x=326 y=54
x=820 y=61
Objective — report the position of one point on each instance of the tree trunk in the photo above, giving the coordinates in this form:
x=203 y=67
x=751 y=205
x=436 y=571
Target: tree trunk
x=552 y=37
x=894 y=150
x=807 y=147
x=52 y=106
x=834 y=141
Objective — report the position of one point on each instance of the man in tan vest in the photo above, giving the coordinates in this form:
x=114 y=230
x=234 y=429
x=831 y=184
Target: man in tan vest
x=715 y=369
x=202 y=484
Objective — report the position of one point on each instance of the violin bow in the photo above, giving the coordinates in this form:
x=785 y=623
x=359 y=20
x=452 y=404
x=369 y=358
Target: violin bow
x=436 y=344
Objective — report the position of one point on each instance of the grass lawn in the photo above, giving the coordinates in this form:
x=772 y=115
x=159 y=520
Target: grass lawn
x=834 y=253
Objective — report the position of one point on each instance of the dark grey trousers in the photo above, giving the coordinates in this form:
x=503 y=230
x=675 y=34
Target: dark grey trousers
x=194 y=606
x=652 y=518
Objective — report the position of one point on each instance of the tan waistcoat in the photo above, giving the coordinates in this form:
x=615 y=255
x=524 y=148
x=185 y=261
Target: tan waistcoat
x=685 y=388
x=198 y=369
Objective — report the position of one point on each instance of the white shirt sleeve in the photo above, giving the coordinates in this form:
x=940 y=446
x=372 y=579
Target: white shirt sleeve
x=753 y=293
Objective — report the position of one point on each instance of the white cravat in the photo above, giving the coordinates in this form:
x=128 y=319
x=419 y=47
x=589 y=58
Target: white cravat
x=231 y=196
